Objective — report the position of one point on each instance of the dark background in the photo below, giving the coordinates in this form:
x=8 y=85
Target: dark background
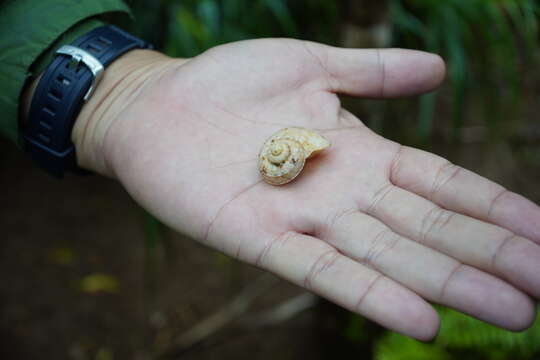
x=86 y=274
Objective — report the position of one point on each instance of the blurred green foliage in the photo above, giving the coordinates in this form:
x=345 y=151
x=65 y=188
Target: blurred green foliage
x=488 y=45
x=188 y=27
x=462 y=337
x=99 y=283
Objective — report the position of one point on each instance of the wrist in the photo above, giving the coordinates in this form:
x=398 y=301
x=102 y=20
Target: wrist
x=122 y=81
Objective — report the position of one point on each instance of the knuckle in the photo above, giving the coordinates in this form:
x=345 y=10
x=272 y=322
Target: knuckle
x=333 y=221
x=493 y=203
x=395 y=166
x=320 y=55
x=449 y=278
x=447 y=171
x=433 y=223
x=379 y=196
x=383 y=242
x=321 y=265
x=365 y=293
x=495 y=257
x=264 y=255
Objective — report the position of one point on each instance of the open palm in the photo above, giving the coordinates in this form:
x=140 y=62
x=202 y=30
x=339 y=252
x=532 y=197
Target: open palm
x=374 y=226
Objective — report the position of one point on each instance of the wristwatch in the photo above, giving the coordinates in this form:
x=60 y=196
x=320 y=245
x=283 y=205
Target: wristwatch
x=67 y=83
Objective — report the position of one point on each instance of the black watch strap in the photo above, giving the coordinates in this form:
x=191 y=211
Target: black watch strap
x=62 y=90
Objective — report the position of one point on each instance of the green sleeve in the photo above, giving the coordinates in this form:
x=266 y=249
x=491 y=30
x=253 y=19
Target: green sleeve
x=31 y=31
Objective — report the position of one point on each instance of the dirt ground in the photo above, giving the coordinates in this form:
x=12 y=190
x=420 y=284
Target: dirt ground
x=56 y=236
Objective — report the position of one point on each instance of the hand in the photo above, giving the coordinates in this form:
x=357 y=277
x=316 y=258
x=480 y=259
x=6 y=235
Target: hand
x=371 y=225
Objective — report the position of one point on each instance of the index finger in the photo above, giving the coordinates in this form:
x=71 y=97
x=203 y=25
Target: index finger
x=455 y=188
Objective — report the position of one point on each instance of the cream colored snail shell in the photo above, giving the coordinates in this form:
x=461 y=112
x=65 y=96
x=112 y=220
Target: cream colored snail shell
x=283 y=155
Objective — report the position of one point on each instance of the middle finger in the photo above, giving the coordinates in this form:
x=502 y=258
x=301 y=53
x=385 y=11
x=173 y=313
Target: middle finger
x=431 y=274
x=471 y=241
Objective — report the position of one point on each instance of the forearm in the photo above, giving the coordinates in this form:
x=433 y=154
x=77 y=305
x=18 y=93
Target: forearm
x=123 y=80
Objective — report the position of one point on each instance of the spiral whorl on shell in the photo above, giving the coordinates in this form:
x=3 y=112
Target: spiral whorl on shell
x=283 y=155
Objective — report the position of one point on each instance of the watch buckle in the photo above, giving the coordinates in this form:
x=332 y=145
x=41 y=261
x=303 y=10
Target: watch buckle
x=79 y=55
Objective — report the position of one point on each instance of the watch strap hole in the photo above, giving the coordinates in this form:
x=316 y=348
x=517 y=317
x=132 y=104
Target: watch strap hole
x=63 y=80
x=94 y=49
x=44 y=138
x=49 y=111
x=102 y=41
x=45 y=124
x=55 y=95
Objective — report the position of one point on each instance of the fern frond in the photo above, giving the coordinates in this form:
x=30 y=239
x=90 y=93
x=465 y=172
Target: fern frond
x=461 y=334
x=394 y=346
x=461 y=331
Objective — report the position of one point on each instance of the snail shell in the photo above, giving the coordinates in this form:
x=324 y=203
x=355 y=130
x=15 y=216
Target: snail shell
x=283 y=155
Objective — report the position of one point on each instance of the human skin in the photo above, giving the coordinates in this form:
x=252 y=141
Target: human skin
x=376 y=227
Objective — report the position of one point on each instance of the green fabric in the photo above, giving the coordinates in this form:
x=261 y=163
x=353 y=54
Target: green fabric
x=30 y=32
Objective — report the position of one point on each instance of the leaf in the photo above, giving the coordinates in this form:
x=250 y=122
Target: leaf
x=356 y=330
x=104 y=354
x=425 y=116
x=99 y=283
x=405 y=20
x=394 y=346
x=192 y=25
x=281 y=12
x=461 y=334
x=457 y=65
x=460 y=331
x=209 y=15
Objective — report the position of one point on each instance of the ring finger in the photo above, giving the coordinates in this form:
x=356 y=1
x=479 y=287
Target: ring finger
x=433 y=275
x=471 y=241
